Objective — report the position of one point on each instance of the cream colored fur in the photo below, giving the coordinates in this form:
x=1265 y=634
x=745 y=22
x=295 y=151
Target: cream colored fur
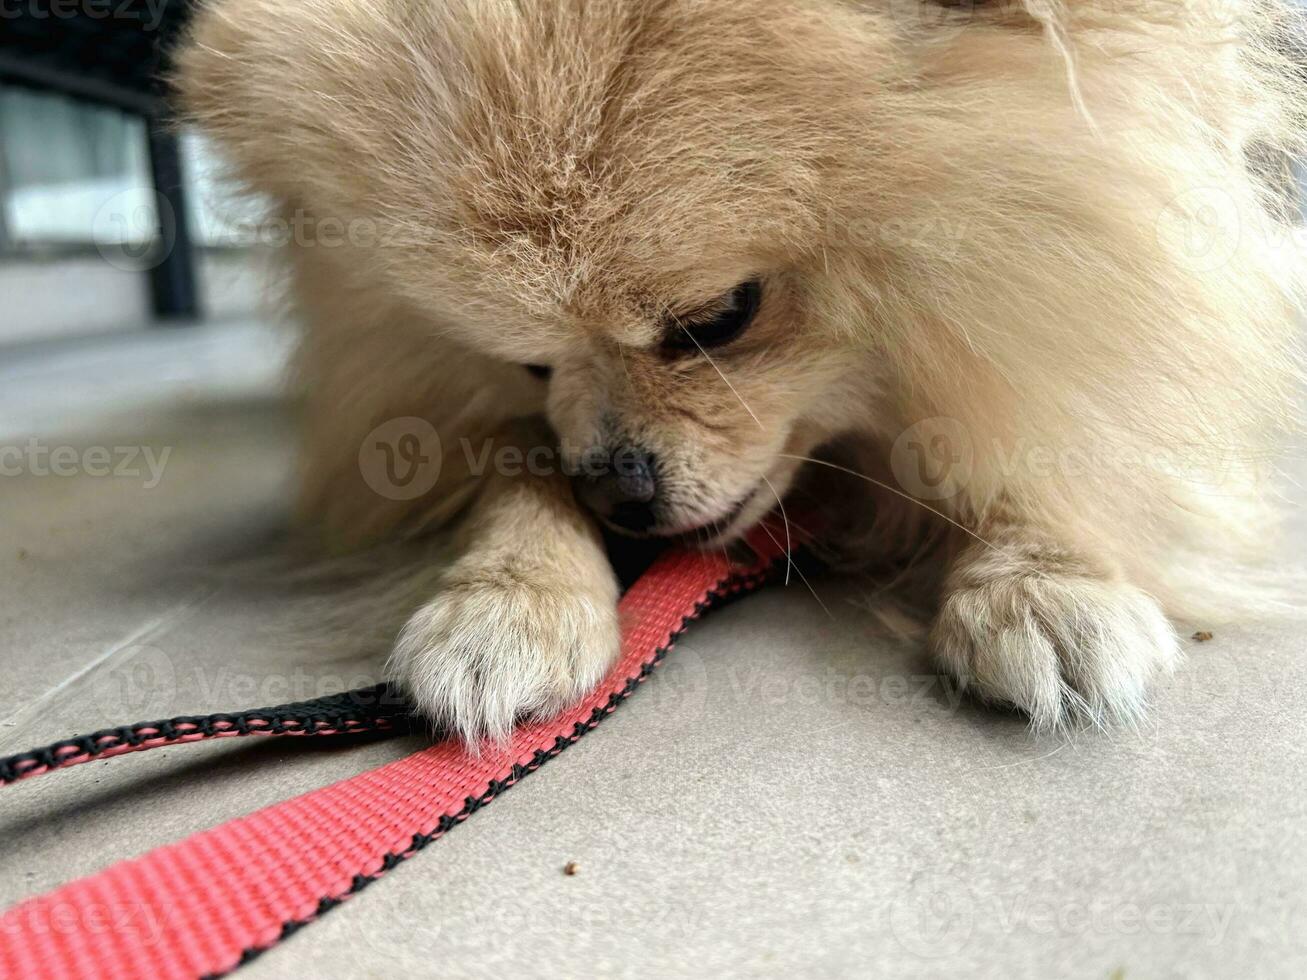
x=1030 y=230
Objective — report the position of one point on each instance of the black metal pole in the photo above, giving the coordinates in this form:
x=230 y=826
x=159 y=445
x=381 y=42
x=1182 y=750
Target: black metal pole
x=5 y=190
x=80 y=84
x=173 y=281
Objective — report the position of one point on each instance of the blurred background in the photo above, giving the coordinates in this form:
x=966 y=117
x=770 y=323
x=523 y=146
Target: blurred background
x=131 y=273
x=100 y=188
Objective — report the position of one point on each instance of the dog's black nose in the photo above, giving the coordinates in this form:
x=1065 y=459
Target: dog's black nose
x=623 y=489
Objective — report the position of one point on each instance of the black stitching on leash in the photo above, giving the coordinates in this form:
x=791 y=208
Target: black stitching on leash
x=374 y=709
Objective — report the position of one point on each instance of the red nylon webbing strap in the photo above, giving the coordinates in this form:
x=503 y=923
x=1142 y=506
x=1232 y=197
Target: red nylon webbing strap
x=215 y=900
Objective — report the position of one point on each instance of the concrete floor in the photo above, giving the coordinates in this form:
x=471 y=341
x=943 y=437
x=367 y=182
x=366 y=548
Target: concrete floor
x=794 y=793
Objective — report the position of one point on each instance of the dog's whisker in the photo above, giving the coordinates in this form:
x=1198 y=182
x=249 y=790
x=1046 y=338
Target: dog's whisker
x=668 y=312
x=897 y=492
x=789 y=544
x=621 y=353
x=722 y=375
x=798 y=571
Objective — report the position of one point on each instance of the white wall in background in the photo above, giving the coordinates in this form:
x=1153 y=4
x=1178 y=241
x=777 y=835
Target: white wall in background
x=79 y=174
x=69 y=297
x=84 y=296
x=74 y=175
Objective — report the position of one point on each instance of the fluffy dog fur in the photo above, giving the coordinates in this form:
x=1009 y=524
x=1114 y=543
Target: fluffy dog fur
x=975 y=224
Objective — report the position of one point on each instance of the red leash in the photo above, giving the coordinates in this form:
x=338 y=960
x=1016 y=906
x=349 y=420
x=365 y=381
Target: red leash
x=210 y=903
x=376 y=709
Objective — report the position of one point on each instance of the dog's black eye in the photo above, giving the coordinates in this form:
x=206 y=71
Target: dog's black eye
x=540 y=371
x=718 y=325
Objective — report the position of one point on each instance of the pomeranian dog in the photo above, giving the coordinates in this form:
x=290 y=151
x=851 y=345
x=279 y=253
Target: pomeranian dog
x=1024 y=272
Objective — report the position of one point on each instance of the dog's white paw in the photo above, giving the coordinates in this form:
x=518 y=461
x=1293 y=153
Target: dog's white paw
x=502 y=641
x=1064 y=648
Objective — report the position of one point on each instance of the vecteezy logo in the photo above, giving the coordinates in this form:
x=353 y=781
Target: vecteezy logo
x=934 y=917
x=935 y=464
x=400 y=459
x=135 y=230
x=1201 y=227
x=932 y=460
x=139 y=681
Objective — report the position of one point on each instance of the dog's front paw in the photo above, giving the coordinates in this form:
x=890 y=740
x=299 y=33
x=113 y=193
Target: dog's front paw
x=504 y=640
x=1065 y=646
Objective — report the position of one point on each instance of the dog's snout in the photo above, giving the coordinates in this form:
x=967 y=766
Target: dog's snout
x=633 y=470
x=623 y=489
